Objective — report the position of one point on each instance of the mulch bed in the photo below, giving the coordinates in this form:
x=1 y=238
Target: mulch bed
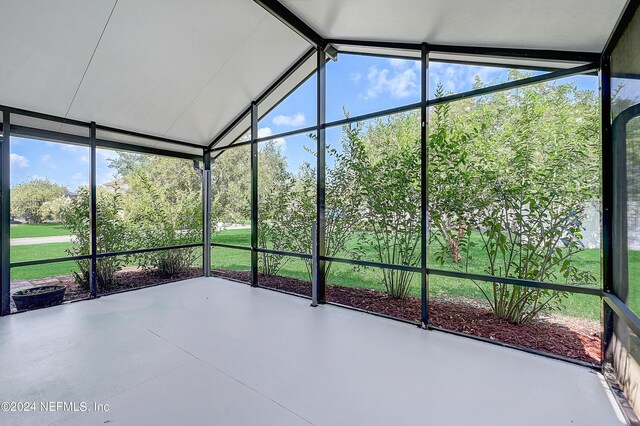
x=459 y=315
x=127 y=279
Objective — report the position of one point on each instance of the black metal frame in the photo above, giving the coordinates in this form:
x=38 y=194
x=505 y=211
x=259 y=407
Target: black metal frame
x=319 y=238
x=206 y=214
x=93 y=214
x=5 y=213
x=423 y=106
x=424 y=186
x=593 y=60
x=254 y=194
x=535 y=54
x=49 y=135
x=586 y=63
x=93 y=143
x=608 y=190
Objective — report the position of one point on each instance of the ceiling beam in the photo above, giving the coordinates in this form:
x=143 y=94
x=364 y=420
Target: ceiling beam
x=288 y=18
x=539 y=54
x=78 y=123
x=293 y=68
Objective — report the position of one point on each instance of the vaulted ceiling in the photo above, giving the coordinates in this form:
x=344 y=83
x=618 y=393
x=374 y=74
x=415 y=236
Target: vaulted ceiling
x=185 y=69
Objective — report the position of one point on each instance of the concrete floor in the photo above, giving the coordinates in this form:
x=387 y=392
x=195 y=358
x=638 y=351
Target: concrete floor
x=209 y=351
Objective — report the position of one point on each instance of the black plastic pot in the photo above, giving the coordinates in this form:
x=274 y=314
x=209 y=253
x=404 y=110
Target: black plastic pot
x=39 y=297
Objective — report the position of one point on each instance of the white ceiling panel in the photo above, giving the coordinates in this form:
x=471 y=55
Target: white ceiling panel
x=186 y=69
x=298 y=76
x=46 y=47
x=265 y=54
x=581 y=25
x=156 y=57
x=110 y=136
x=51 y=126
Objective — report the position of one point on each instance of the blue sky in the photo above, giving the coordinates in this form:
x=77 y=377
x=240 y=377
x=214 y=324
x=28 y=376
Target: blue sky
x=358 y=83
x=62 y=163
x=366 y=84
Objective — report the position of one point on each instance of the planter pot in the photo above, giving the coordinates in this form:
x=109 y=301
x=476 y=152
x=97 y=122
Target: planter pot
x=39 y=297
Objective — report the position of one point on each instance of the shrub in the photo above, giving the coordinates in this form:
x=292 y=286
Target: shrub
x=28 y=198
x=385 y=163
x=275 y=186
x=163 y=208
x=111 y=235
x=512 y=175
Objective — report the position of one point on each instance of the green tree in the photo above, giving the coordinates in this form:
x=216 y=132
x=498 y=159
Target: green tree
x=298 y=209
x=126 y=162
x=163 y=207
x=275 y=184
x=231 y=186
x=513 y=173
x=29 y=197
x=112 y=235
x=384 y=161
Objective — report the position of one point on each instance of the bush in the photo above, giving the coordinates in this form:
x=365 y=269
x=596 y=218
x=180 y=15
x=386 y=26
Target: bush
x=162 y=211
x=28 y=199
x=512 y=174
x=384 y=160
x=275 y=186
x=111 y=231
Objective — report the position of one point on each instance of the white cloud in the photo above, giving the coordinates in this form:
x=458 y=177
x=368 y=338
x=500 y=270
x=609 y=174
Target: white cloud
x=398 y=63
x=399 y=82
x=297 y=119
x=18 y=161
x=78 y=180
x=45 y=158
x=69 y=148
x=460 y=78
x=107 y=153
x=355 y=77
x=265 y=132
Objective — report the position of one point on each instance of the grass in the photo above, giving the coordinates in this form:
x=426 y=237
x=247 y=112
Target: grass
x=370 y=278
x=26 y=230
x=39 y=251
x=341 y=274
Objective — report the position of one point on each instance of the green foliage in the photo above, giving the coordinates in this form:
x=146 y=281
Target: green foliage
x=299 y=213
x=111 y=231
x=288 y=208
x=126 y=162
x=52 y=210
x=162 y=207
x=383 y=161
x=275 y=184
x=33 y=199
x=517 y=169
x=231 y=186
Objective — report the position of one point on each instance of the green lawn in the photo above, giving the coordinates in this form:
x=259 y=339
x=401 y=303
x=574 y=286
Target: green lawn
x=39 y=251
x=238 y=237
x=38 y=230
x=341 y=274
x=348 y=275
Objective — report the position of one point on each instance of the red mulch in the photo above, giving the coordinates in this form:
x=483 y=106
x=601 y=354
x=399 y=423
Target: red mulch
x=456 y=316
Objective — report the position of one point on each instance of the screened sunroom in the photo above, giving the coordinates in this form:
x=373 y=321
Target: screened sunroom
x=294 y=212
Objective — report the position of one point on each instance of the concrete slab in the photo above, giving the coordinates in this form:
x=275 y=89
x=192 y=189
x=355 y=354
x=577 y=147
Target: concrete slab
x=210 y=351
